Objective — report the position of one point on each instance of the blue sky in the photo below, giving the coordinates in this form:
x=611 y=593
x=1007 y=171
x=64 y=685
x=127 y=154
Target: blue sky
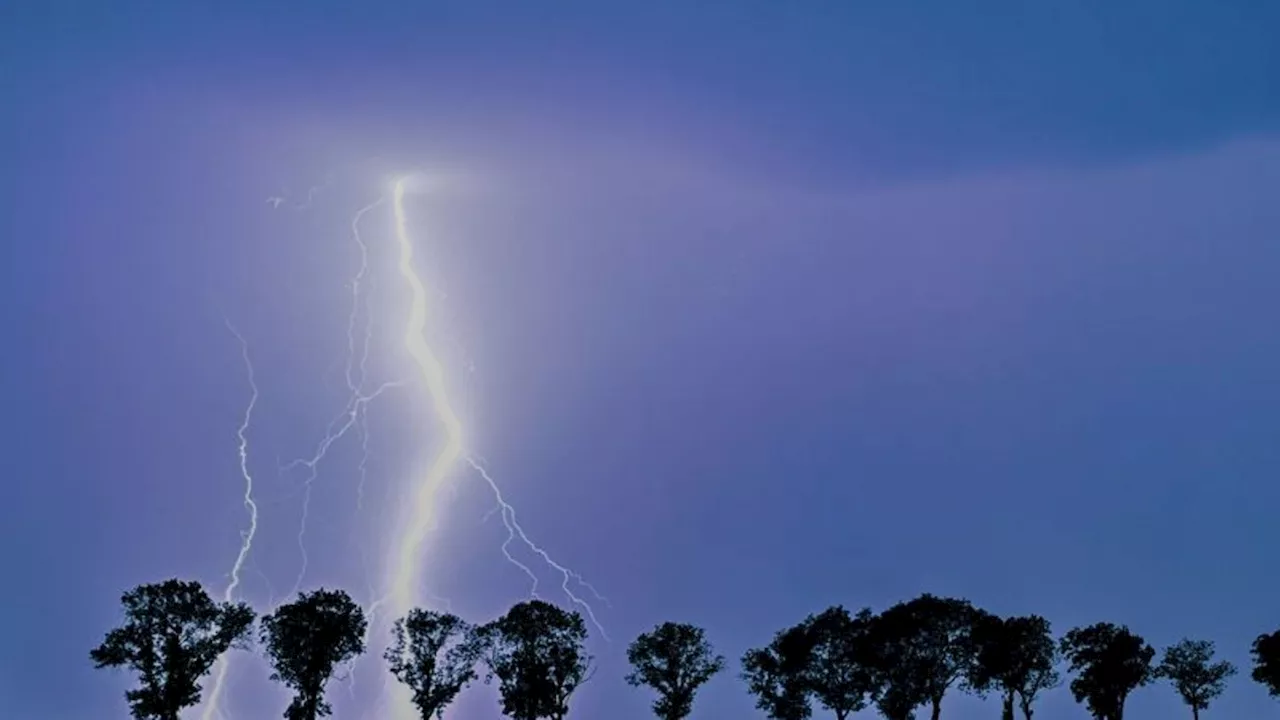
x=753 y=309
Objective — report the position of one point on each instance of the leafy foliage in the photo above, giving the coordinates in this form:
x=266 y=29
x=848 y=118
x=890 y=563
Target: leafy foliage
x=1189 y=666
x=1014 y=656
x=840 y=671
x=306 y=640
x=435 y=655
x=536 y=652
x=675 y=660
x=1266 y=662
x=1110 y=662
x=172 y=635
x=894 y=666
x=923 y=646
x=778 y=675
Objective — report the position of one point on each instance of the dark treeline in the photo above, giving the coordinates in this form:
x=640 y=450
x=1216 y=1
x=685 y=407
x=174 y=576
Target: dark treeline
x=906 y=657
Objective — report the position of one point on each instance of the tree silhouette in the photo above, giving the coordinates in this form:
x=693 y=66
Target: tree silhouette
x=172 y=635
x=674 y=659
x=933 y=638
x=1110 y=662
x=899 y=681
x=840 y=670
x=1014 y=656
x=434 y=654
x=895 y=665
x=778 y=675
x=306 y=640
x=535 y=651
x=1188 y=665
x=1266 y=662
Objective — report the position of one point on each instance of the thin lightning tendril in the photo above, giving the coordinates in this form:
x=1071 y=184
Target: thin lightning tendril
x=363 y=423
x=352 y=383
x=338 y=428
x=356 y=412
x=246 y=537
x=514 y=530
x=275 y=201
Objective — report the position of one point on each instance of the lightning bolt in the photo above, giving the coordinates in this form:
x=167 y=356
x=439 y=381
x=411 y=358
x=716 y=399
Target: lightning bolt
x=246 y=537
x=403 y=580
x=405 y=576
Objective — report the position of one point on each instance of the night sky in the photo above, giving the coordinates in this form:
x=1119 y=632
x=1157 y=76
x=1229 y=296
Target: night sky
x=751 y=308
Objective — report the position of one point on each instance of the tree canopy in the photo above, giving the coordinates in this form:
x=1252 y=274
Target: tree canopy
x=434 y=654
x=1110 y=662
x=840 y=674
x=675 y=660
x=896 y=669
x=1014 y=656
x=1266 y=662
x=536 y=653
x=1189 y=667
x=778 y=675
x=306 y=640
x=172 y=635
x=925 y=646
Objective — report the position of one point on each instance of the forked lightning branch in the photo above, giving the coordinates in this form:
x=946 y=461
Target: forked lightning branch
x=403 y=580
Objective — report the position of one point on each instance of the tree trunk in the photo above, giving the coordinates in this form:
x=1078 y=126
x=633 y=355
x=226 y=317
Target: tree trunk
x=1007 y=709
x=1026 y=708
x=937 y=708
x=1195 y=713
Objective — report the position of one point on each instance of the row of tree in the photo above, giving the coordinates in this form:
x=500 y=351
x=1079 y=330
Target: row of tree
x=911 y=654
x=908 y=656
x=174 y=632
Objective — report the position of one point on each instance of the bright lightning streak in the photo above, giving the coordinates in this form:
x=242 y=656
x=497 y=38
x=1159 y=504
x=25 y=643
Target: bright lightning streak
x=404 y=574
x=246 y=537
